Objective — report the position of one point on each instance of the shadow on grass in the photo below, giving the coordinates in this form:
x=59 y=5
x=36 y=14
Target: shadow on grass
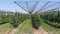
x=3 y=23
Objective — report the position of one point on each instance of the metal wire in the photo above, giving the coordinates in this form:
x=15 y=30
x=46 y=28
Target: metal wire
x=34 y=6
x=27 y=5
x=20 y=6
x=50 y=6
x=53 y=9
x=44 y=6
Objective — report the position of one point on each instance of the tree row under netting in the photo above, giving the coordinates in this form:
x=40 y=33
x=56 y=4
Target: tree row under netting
x=15 y=18
x=52 y=18
x=36 y=20
x=35 y=6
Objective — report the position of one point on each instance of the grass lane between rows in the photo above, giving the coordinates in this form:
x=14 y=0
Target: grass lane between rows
x=50 y=29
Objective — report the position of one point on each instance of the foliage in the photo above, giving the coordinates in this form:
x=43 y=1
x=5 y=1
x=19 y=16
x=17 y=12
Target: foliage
x=15 y=18
x=35 y=20
x=52 y=18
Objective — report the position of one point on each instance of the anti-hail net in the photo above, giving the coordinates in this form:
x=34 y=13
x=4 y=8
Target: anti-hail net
x=40 y=6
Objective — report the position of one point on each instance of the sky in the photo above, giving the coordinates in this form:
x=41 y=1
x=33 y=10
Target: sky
x=8 y=5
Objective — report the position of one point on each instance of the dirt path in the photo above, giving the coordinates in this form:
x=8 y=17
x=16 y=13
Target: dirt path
x=40 y=31
x=14 y=30
x=5 y=32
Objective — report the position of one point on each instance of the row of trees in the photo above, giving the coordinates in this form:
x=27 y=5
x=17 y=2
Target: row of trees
x=36 y=20
x=52 y=18
x=15 y=18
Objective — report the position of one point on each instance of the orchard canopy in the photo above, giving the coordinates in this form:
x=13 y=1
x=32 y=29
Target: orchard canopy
x=38 y=6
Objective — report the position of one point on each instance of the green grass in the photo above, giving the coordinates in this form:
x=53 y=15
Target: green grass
x=50 y=28
x=26 y=28
x=5 y=27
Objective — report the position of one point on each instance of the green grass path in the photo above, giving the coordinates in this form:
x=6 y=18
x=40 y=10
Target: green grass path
x=50 y=29
x=25 y=28
x=5 y=28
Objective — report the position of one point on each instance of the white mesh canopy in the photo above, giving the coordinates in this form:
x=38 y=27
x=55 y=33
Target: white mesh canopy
x=40 y=6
